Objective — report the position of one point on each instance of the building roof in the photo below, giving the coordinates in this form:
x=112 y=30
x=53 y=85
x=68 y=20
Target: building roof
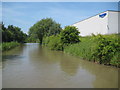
x=96 y=15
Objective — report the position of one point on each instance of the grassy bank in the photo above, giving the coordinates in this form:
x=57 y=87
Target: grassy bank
x=83 y=49
x=9 y=45
x=103 y=49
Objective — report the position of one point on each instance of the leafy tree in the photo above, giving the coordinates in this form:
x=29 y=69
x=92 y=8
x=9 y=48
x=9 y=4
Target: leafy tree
x=4 y=33
x=12 y=33
x=70 y=35
x=43 y=28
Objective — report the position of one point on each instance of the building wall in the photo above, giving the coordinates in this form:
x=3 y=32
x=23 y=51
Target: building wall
x=113 y=22
x=95 y=25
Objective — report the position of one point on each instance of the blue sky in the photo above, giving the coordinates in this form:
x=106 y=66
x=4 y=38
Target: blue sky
x=25 y=14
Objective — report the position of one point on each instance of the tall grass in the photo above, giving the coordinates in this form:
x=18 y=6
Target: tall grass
x=84 y=49
x=90 y=48
x=8 y=45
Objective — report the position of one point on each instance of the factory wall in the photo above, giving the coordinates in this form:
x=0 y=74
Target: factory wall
x=98 y=24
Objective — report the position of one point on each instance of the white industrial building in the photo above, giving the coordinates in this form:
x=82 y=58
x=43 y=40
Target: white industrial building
x=103 y=23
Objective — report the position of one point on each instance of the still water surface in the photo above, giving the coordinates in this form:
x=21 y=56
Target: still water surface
x=33 y=66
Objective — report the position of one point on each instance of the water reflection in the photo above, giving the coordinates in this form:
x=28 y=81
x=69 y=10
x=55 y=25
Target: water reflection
x=10 y=57
x=13 y=54
x=31 y=65
x=69 y=65
x=105 y=75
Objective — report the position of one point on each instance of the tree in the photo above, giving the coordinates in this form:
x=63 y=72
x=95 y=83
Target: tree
x=12 y=33
x=70 y=35
x=43 y=28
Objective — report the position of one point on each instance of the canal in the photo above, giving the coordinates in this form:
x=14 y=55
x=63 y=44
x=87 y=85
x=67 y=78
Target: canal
x=33 y=66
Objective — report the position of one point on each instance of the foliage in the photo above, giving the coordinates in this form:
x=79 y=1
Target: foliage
x=53 y=42
x=31 y=39
x=11 y=37
x=83 y=49
x=9 y=45
x=116 y=59
x=43 y=28
x=67 y=36
x=70 y=35
x=104 y=49
x=12 y=33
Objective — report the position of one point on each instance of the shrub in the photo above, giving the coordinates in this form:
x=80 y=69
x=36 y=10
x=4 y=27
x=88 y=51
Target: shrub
x=115 y=60
x=70 y=35
x=53 y=42
x=105 y=49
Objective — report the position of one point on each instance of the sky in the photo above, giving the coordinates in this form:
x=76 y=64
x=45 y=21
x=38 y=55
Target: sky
x=25 y=14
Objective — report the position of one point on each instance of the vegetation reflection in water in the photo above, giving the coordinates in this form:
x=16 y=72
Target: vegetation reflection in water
x=33 y=66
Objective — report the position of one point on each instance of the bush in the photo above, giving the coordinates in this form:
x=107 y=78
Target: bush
x=70 y=35
x=116 y=59
x=53 y=42
x=105 y=49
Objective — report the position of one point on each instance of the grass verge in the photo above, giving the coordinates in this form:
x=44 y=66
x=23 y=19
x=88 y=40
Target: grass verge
x=8 y=45
x=103 y=49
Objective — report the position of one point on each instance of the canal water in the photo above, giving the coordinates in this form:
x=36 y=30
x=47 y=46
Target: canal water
x=33 y=66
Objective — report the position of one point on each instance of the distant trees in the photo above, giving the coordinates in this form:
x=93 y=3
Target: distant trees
x=12 y=33
x=43 y=28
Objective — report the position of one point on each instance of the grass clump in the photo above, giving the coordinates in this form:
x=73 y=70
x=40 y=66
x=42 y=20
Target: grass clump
x=9 y=45
x=83 y=49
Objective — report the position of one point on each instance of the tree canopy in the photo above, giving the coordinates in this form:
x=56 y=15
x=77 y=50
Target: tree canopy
x=43 y=28
x=12 y=33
